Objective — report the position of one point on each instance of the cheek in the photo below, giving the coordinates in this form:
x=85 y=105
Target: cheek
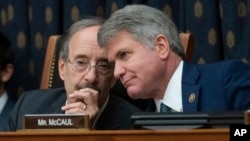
x=106 y=82
x=142 y=62
x=71 y=79
x=68 y=84
x=138 y=67
x=146 y=72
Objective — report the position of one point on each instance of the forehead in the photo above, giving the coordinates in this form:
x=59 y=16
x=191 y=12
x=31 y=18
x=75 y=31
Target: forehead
x=122 y=42
x=84 y=42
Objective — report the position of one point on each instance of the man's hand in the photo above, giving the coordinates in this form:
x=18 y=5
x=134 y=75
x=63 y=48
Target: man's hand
x=83 y=101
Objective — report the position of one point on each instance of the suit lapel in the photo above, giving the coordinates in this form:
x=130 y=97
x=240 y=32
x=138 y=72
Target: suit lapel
x=106 y=121
x=56 y=106
x=190 y=88
x=151 y=106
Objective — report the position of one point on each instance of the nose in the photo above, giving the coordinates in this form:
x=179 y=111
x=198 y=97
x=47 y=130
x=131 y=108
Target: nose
x=90 y=76
x=118 y=70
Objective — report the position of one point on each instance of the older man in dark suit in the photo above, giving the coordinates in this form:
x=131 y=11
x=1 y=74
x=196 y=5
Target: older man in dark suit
x=87 y=76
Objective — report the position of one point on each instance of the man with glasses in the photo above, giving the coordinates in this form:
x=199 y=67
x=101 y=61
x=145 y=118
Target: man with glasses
x=87 y=76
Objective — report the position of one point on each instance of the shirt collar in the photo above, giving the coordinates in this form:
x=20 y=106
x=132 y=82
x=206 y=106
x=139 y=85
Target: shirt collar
x=173 y=94
x=3 y=100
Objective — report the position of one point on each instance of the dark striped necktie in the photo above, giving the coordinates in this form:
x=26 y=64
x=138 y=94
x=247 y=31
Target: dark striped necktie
x=164 y=108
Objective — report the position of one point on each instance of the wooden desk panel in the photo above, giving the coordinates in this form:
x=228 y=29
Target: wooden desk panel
x=118 y=135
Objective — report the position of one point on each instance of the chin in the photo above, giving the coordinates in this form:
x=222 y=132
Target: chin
x=134 y=94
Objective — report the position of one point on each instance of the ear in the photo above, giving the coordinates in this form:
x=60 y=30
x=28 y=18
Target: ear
x=61 y=68
x=162 y=45
x=7 y=73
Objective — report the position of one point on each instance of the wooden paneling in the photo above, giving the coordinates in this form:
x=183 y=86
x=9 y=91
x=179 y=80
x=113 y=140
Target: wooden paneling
x=118 y=135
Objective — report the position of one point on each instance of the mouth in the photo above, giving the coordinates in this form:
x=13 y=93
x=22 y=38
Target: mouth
x=126 y=83
x=87 y=85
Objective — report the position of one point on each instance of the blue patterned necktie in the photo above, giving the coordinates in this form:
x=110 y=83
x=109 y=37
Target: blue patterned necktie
x=164 y=108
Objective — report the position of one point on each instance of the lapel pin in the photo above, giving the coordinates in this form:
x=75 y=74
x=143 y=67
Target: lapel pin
x=191 y=98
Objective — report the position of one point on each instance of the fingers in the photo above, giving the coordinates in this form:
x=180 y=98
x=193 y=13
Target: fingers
x=83 y=101
x=84 y=107
x=75 y=108
x=86 y=95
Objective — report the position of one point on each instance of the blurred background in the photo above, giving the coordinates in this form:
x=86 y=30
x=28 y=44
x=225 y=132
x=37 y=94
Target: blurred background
x=221 y=29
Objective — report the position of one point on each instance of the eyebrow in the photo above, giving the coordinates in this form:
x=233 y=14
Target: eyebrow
x=82 y=56
x=103 y=59
x=118 y=53
x=112 y=61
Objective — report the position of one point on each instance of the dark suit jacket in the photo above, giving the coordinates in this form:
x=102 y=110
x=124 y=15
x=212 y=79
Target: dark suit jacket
x=4 y=116
x=116 y=115
x=221 y=86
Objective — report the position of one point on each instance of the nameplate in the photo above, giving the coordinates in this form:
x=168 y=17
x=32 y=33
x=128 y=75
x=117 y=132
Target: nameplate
x=55 y=121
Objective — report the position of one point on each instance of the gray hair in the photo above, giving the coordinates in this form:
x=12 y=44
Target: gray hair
x=64 y=40
x=144 y=23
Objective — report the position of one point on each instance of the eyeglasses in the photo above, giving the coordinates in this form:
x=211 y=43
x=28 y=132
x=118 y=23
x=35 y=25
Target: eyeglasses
x=102 y=67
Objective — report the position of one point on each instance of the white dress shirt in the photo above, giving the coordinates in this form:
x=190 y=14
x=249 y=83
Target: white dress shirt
x=173 y=94
x=3 y=101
